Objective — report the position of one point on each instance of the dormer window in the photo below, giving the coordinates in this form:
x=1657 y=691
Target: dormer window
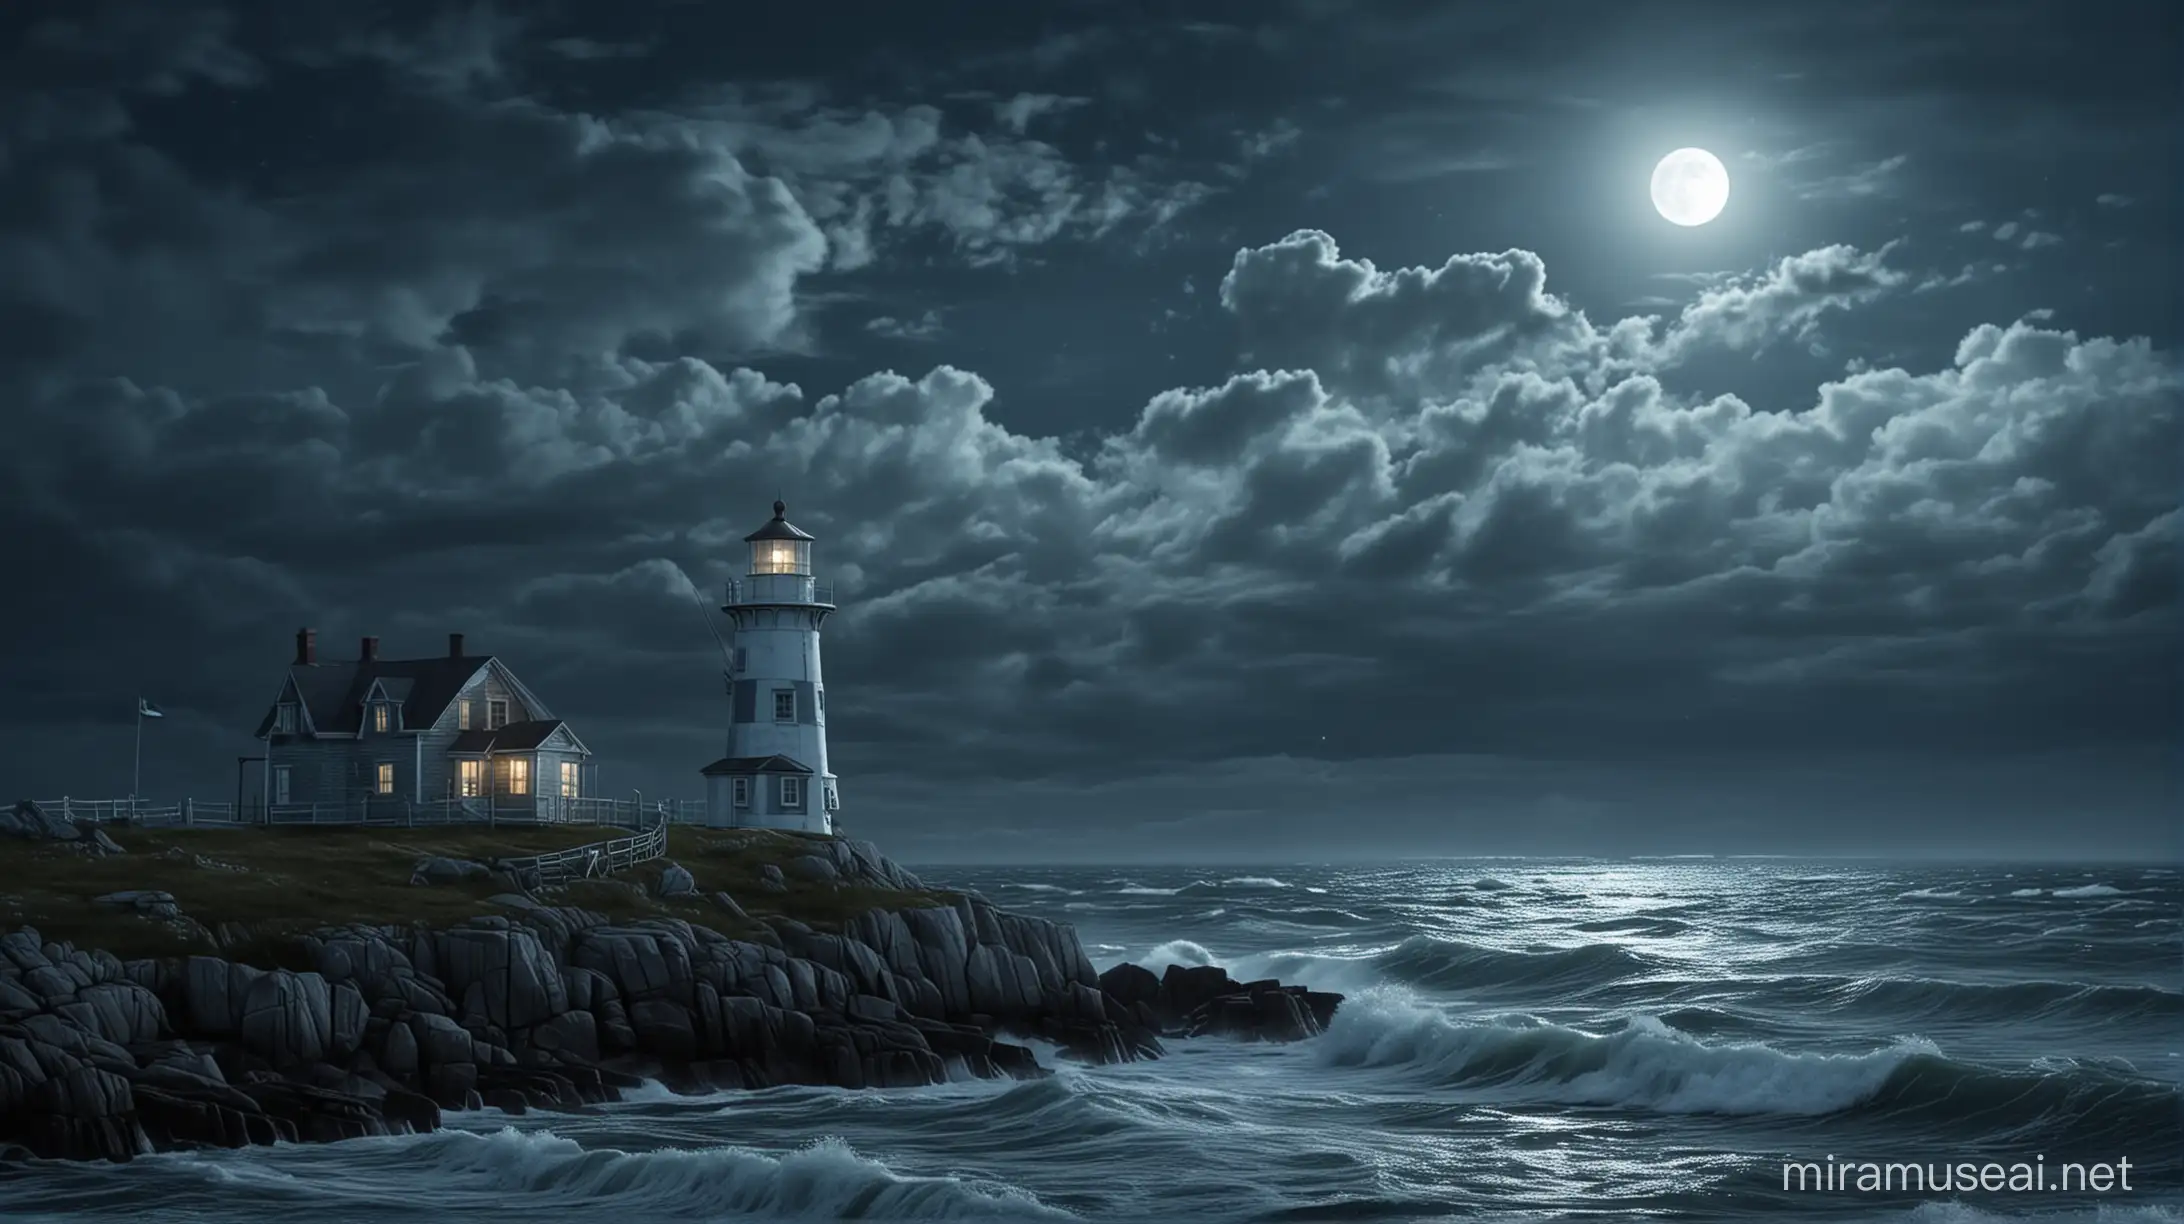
x=382 y=718
x=284 y=718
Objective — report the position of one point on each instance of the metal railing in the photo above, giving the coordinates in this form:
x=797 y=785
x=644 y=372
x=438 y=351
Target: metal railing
x=635 y=812
x=742 y=589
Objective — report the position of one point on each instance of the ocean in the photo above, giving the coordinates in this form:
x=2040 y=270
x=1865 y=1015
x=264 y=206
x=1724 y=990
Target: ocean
x=1523 y=1040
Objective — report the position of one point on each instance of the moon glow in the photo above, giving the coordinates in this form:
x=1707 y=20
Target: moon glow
x=1690 y=186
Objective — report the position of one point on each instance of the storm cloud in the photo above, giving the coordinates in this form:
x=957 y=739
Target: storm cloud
x=1438 y=539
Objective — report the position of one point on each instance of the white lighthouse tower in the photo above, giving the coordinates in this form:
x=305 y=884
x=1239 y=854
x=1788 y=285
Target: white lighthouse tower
x=775 y=775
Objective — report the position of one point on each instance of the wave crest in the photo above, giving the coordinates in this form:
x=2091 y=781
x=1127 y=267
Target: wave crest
x=824 y=1181
x=1648 y=1065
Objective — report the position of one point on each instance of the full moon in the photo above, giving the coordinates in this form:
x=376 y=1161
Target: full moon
x=1690 y=186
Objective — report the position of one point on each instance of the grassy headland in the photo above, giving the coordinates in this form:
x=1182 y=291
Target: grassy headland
x=285 y=881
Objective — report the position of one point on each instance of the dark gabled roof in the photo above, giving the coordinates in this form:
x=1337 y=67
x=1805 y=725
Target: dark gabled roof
x=397 y=688
x=333 y=693
x=515 y=737
x=755 y=765
x=778 y=528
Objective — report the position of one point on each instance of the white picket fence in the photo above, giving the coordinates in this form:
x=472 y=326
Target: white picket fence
x=635 y=812
x=597 y=859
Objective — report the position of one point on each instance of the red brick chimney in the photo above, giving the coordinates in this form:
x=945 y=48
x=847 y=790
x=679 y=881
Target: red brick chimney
x=368 y=650
x=454 y=645
x=306 y=646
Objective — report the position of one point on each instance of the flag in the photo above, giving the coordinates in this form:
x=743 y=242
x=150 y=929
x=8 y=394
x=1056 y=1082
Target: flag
x=146 y=709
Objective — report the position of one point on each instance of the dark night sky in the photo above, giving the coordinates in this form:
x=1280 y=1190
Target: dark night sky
x=1250 y=431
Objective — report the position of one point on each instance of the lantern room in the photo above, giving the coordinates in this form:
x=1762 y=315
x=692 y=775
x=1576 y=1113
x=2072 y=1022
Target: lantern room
x=780 y=547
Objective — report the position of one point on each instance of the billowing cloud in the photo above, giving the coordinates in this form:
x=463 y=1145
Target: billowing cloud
x=522 y=381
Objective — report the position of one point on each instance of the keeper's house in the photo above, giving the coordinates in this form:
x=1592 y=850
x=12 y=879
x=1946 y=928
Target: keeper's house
x=376 y=730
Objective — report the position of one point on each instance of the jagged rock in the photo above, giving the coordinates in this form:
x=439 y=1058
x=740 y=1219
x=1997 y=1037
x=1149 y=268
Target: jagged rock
x=317 y=1115
x=121 y=1012
x=148 y=902
x=439 y=870
x=664 y=1028
x=547 y=1006
x=1204 y=1001
x=518 y=984
x=1130 y=984
x=771 y=880
x=398 y=1050
x=440 y=1041
x=31 y=821
x=573 y=1034
x=287 y=1018
x=1185 y=988
x=676 y=881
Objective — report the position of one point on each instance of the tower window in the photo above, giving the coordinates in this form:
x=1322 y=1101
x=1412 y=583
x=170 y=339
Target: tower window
x=784 y=705
x=742 y=659
x=792 y=792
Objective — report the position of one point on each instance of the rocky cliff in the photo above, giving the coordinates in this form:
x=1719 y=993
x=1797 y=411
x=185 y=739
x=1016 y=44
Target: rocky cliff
x=371 y=1029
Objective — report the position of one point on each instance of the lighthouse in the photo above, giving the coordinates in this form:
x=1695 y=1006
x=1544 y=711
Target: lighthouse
x=775 y=775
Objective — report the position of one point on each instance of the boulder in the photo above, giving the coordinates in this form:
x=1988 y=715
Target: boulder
x=287 y=1018
x=441 y=870
x=570 y=1035
x=121 y=1012
x=28 y=820
x=517 y=982
x=676 y=881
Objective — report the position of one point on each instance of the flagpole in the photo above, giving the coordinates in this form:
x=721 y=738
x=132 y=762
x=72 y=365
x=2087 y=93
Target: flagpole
x=136 y=776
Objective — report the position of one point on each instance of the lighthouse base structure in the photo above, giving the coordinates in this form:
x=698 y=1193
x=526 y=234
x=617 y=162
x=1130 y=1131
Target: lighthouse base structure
x=773 y=792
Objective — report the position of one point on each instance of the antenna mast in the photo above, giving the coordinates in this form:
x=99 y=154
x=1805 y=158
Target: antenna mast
x=727 y=675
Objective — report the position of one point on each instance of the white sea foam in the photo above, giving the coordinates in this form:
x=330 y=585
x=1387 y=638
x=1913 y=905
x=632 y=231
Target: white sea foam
x=1177 y=952
x=2090 y=890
